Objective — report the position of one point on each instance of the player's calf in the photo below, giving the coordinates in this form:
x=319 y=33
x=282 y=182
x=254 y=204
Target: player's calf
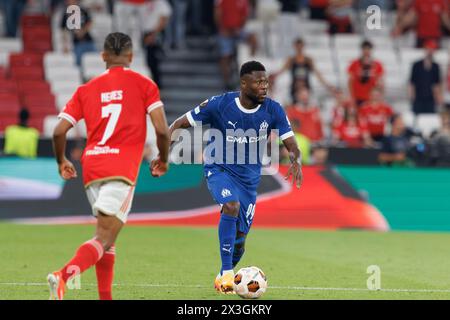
x=239 y=248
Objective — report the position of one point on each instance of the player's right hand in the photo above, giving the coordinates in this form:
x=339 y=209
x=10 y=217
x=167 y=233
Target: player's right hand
x=67 y=170
x=158 y=167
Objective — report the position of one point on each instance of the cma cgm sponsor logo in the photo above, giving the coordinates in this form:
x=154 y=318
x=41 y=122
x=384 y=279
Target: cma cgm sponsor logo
x=246 y=139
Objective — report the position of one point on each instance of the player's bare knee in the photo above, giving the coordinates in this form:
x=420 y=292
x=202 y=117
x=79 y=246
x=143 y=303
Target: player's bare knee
x=231 y=209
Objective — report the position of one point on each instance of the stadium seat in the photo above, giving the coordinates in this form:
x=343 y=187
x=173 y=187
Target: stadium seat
x=10 y=45
x=62 y=74
x=32 y=87
x=408 y=118
x=34 y=20
x=64 y=87
x=51 y=121
x=62 y=99
x=426 y=123
x=27 y=73
x=56 y=60
x=8 y=86
x=25 y=60
x=347 y=41
x=9 y=108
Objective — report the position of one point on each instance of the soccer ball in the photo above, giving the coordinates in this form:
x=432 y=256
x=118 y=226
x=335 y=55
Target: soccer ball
x=250 y=283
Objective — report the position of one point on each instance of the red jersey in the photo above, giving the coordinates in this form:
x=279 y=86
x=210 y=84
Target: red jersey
x=234 y=13
x=429 y=17
x=353 y=135
x=310 y=121
x=375 y=116
x=364 y=80
x=339 y=113
x=114 y=107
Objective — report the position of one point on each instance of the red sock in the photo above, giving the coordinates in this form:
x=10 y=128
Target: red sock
x=86 y=256
x=105 y=273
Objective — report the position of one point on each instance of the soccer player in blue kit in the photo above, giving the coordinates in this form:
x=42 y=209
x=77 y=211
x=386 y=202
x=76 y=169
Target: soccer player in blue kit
x=244 y=118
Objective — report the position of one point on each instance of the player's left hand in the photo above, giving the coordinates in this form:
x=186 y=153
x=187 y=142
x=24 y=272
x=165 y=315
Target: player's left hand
x=67 y=170
x=295 y=170
x=158 y=167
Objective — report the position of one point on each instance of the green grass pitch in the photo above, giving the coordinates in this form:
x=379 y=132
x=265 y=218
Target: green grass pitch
x=181 y=263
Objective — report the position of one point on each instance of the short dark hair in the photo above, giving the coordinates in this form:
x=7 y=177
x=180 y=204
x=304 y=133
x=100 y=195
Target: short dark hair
x=250 y=66
x=299 y=41
x=366 y=44
x=117 y=43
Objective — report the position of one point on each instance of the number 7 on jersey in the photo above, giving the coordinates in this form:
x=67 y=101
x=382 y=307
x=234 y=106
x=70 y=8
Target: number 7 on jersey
x=113 y=111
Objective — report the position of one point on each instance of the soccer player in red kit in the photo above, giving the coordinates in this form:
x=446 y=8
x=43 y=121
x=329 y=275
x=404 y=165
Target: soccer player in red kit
x=114 y=106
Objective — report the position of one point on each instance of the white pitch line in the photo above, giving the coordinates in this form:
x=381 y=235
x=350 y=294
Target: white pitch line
x=148 y=285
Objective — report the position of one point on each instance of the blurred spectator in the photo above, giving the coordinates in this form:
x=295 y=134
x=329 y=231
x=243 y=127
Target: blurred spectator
x=339 y=14
x=383 y=4
x=428 y=17
x=395 y=146
x=176 y=29
x=303 y=143
x=308 y=116
x=21 y=140
x=230 y=17
x=300 y=67
x=439 y=143
x=317 y=9
x=157 y=15
x=343 y=102
x=365 y=73
x=402 y=14
x=81 y=38
x=351 y=132
x=125 y=11
x=425 y=87
x=376 y=114
x=12 y=11
x=289 y=20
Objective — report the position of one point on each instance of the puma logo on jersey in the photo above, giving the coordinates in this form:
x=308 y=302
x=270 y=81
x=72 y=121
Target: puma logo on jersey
x=233 y=124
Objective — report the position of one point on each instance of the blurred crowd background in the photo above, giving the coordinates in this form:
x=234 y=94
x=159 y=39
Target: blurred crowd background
x=360 y=83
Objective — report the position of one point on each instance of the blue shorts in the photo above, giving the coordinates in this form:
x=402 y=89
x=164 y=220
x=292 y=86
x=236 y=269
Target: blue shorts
x=226 y=188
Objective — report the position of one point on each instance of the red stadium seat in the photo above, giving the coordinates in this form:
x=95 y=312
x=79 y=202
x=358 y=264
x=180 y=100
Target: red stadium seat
x=37 y=46
x=36 y=121
x=27 y=73
x=9 y=104
x=40 y=104
x=25 y=59
x=8 y=86
x=33 y=87
x=7 y=121
x=34 y=20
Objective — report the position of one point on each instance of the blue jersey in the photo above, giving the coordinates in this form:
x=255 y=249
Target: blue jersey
x=239 y=136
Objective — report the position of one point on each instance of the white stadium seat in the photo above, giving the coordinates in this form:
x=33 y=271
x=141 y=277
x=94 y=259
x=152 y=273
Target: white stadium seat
x=10 y=45
x=56 y=59
x=63 y=73
x=426 y=123
x=50 y=122
x=62 y=99
x=65 y=87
